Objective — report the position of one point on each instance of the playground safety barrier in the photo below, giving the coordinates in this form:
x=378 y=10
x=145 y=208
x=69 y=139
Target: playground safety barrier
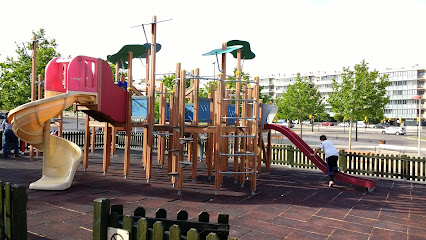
x=375 y=165
x=13 y=211
x=141 y=227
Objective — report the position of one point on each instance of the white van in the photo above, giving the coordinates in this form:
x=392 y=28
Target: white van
x=360 y=124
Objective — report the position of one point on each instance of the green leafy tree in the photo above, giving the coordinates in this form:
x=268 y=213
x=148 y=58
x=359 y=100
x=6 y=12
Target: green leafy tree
x=15 y=74
x=362 y=94
x=299 y=101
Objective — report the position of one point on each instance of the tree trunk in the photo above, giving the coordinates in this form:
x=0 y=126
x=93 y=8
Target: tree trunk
x=350 y=135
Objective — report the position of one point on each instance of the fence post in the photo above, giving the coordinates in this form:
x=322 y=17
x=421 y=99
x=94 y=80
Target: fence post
x=290 y=155
x=100 y=218
x=128 y=225
x=192 y=234
x=7 y=210
x=142 y=230
x=343 y=163
x=158 y=231
x=174 y=232
x=19 y=212
x=1 y=211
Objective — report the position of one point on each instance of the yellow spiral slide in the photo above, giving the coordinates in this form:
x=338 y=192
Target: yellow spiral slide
x=61 y=158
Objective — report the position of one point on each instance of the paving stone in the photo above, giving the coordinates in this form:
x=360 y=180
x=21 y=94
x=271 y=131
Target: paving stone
x=289 y=203
x=341 y=234
x=381 y=234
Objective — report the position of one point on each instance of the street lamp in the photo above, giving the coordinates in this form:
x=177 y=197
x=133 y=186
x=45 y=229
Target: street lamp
x=417 y=97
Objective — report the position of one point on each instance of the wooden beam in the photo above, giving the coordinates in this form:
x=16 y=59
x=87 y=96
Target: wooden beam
x=128 y=136
x=86 y=143
x=195 y=123
x=189 y=90
x=136 y=91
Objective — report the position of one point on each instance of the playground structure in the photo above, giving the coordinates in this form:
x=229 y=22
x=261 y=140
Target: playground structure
x=233 y=115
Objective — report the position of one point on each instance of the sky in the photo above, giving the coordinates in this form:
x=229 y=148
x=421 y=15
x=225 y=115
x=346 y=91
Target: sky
x=287 y=36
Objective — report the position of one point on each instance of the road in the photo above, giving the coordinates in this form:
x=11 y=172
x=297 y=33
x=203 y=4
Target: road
x=367 y=140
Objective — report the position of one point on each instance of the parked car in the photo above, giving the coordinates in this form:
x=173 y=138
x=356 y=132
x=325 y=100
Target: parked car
x=360 y=124
x=343 y=124
x=394 y=130
x=326 y=124
x=306 y=122
x=381 y=125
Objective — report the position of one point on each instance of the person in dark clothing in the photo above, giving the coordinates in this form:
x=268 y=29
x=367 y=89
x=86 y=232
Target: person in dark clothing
x=9 y=138
x=331 y=154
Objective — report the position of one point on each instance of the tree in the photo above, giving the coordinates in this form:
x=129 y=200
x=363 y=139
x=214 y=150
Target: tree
x=15 y=75
x=299 y=101
x=361 y=95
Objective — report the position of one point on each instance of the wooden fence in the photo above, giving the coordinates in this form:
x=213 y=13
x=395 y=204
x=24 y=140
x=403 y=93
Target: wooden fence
x=13 y=211
x=377 y=165
x=159 y=227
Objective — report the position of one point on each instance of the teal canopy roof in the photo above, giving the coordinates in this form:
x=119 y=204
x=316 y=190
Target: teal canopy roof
x=246 y=52
x=220 y=51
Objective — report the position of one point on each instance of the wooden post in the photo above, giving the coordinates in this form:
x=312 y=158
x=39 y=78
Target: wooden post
x=117 y=72
x=243 y=146
x=174 y=139
x=128 y=126
x=145 y=130
x=33 y=80
x=269 y=152
x=92 y=146
x=86 y=143
x=255 y=95
x=182 y=87
x=223 y=112
x=107 y=147
x=151 y=100
x=217 y=140
x=101 y=210
x=195 y=123
x=162 y=121
x=237 y=114
x=113 y=140
x=210 y=139
x=2 y=211
x=19 y=212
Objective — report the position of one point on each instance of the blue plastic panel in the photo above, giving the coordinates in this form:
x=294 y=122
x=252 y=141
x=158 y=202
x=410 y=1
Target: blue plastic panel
x=139 y=107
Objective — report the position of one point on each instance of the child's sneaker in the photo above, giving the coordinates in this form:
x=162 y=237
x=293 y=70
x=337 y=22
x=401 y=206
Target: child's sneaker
x=330 y=184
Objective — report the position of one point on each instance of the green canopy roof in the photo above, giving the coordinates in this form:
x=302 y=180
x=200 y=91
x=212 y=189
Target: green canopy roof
x=246 y=52
x=122 y=58
x=148 y=46
x=220 y=51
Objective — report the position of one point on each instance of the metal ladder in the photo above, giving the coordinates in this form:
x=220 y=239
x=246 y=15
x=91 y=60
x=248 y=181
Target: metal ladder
x=246 y=133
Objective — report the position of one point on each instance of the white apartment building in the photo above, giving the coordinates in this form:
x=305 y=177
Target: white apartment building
x=405 y=83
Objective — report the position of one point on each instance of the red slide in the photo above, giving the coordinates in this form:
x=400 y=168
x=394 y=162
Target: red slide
x=321 y=164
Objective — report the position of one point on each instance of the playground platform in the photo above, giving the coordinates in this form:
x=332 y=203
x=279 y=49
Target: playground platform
x=289 y=203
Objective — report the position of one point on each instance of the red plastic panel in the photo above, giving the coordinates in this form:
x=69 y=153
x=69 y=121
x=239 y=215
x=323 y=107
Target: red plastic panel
x=112 y=98
x=82 y=74
x=55 y=75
